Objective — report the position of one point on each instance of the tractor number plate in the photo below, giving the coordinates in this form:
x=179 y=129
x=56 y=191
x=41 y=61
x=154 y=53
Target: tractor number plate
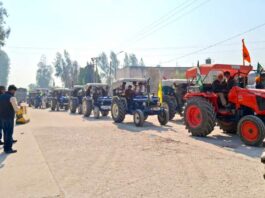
x=105 y=107
x=155 y=109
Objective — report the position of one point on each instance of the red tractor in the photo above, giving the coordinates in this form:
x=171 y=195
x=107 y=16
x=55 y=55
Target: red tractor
x=244 y=115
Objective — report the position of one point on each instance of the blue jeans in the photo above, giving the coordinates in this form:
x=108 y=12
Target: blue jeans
x=8 y=128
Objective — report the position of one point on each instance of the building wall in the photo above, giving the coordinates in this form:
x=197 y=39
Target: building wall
x=154 y=73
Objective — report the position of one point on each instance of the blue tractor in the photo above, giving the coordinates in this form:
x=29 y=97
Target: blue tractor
x=133 y=97
x=96 y=100
x=174 y=91
x=76 y=97
x=60 y=99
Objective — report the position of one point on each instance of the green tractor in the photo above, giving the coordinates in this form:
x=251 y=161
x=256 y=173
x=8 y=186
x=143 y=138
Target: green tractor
x=173 y=93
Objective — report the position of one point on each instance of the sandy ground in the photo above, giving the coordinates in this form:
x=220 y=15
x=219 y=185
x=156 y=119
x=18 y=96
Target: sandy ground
x=97 y=158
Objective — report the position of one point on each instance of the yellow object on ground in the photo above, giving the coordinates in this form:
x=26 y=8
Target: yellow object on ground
x=21 y=115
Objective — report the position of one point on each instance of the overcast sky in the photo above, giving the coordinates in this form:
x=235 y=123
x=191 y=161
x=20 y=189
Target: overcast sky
x=87 y=27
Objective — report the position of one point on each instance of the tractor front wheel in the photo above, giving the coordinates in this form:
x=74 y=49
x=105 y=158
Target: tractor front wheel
x=163 y=117
x=138 y=118
x=87 y=107
x=251 y=130
x=96 y=112
x=72 y=106
x=170 y=106
x=199 y=116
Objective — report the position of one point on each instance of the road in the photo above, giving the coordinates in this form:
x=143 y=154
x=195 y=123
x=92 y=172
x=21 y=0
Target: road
x=64 y=155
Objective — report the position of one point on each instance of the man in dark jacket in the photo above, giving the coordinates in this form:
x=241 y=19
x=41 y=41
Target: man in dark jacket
x=261 y=82
x=2 y=91
x=218 y=87
x=8 y=107
x=230 y=81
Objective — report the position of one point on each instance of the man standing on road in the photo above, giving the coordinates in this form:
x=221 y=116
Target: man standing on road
x=8 y=107
x=2 y=91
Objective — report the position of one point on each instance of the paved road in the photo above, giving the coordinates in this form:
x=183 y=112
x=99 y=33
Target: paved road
x=79 y=157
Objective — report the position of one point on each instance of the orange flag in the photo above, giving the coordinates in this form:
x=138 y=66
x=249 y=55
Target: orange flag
x=246 y=55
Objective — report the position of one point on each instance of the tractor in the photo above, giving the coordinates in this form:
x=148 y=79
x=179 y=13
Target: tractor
x=173 y=93
x=60 y=99
x=96 y=99
x=132 y=96
x=31 y=98
x=244 y=114
x=76 y=97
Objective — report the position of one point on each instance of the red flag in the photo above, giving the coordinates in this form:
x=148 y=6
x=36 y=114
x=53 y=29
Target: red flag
x=246 y=56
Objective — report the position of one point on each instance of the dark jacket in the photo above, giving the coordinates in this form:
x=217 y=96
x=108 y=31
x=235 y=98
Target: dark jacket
x=260 y=86
x=6 y=109
x=230 y=84
x=217 y=86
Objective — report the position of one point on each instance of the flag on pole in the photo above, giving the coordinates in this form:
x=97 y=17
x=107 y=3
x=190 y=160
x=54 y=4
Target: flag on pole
x=246 y=56
x=160 y=92
x=259 y=69
x=199 y=77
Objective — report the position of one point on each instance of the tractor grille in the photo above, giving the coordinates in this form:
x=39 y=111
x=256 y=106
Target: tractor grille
x=261 y=103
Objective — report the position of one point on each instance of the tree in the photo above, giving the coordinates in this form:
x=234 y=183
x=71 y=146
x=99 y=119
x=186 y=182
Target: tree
x=4 y=68
x=114 y=63
x=104 y=67
x=66 y=69
x=133 y=61
x=141 y=63
x=126 y=61
x=44 y=74
x=88 y=75
x=4 y=31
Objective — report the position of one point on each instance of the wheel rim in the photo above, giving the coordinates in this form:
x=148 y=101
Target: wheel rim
x=249 y=131
x=115 y=110
x=194 y=116
x=136 y=118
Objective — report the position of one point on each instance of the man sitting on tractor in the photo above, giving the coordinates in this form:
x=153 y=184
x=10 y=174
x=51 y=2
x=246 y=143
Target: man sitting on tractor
x=260 y=83
x=129 y=93
x=219 y=87
x=229 y=81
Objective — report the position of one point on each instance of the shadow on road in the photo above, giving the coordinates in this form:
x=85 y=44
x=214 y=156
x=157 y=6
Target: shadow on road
x=130 y=127
x=3 y=156
x=101 y=118
x=232 y=143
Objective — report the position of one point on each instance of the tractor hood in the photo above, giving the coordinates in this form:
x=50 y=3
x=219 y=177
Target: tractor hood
x=257 y=92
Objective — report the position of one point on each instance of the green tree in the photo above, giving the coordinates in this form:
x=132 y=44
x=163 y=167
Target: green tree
x=4 y=31
x=66 y=69
x=104 y=67
x=126 y=62
x=44 y=73
x=4 y=68
x=133 y=61
x=141 y=63
x=88 y=75
x=114 y=64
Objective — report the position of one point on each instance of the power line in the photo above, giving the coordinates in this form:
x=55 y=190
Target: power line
x=172 y=21
x=217 y=43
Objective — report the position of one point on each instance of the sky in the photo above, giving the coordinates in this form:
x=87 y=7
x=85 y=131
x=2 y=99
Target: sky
x=162 y=32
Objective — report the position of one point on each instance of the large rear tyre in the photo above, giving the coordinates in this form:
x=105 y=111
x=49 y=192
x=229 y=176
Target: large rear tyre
x=118 y=110
x=73 y=106
x=199 y=117
x=53 y=105
x=251 y=130
x=228 y=127
x=138 y=118
x=170 y=106
x=87 y=107
x=163 y=117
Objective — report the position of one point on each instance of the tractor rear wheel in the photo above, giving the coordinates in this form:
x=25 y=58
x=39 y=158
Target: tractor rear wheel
x=199 y=116
x=87 y=107
x=138 y=118
x=163 y=117
x=251 y=130
x=227 y=127
x=118 y=110
x=104 y=113
x=72 y=106
x=170 y=106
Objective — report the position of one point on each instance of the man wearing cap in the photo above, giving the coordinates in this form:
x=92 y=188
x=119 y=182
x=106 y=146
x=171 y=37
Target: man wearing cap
x=219 y=86
x=8 y=107
x=2 y=91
